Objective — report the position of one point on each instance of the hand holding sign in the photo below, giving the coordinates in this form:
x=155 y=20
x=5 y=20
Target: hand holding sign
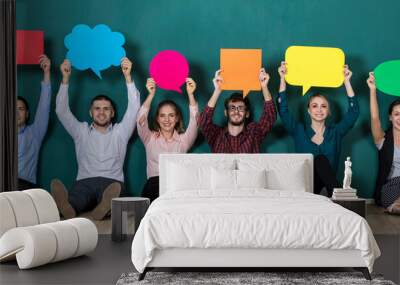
x=169 y=69
x=151 y=86
x=44 y=63
x=65 y=69
x=282 y=70
x=190 y=86
x=387 y=76
x=241 y=69
x=314 y=66
x=96 y=48
x=126 y=67
x=217 y=80
x=347 y=73
x=371 y=81
x=264 y=78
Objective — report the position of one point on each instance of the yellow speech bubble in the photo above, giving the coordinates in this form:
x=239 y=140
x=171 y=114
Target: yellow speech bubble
x=314 y=66
x=240 y=69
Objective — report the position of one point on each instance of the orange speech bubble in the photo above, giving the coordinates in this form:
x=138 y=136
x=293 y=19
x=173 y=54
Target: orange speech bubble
x=240 y=69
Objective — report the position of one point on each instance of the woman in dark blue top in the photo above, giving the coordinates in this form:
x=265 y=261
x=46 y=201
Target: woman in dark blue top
x=323 y=141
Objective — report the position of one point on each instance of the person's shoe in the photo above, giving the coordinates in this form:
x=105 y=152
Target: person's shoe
x=394 y=209
x=104 y=207
x=60 y=196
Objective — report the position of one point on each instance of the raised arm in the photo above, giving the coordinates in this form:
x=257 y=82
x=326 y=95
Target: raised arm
x=264 y=79
x=353 y=111
x=190 y=134
x=208 y=128
x=142 y=118
x=127 y=125
x=42 y=112
x=288 y=121
x=64 y=114
x=376 y=127
x=347 y=76
x=217 y=81
x=268 y=116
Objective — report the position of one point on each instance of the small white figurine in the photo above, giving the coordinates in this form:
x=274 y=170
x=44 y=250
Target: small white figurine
x=347 y=174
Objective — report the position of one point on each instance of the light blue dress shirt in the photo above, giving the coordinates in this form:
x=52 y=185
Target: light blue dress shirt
x=30 y=137
x=98 y=154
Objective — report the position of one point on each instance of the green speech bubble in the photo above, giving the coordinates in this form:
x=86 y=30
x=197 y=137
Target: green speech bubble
x=387 y=77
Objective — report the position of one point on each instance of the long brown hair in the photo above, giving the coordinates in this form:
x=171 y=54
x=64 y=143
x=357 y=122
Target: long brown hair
x=179 y=125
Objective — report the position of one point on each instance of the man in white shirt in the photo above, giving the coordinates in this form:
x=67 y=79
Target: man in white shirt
x=100 y=149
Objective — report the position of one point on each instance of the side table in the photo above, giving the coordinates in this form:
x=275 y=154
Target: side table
x=119 y=214
x=357 y=205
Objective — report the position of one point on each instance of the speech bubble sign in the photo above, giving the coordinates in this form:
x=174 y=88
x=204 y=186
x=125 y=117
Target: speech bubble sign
x=240 y=69
x=314 y=66
x=387 y=77
x=169 y=69
x=96 y=48
x=30 y=45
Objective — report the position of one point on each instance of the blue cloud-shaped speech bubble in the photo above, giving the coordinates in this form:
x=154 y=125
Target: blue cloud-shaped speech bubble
x=96 y=48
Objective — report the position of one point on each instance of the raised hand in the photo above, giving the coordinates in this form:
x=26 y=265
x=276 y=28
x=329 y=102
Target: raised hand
x=126 y=66
x=264 y=78
x=45 y=63
x=371 y=81
x=347 y=73
x=151 y=86
x=282 y=70
x=65 y=68
x=190 y=86
x=217 y=80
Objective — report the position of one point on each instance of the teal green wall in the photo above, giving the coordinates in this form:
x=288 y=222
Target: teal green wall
x=367 y=31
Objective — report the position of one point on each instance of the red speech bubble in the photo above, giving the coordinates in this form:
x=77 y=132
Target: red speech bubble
x=30 y=45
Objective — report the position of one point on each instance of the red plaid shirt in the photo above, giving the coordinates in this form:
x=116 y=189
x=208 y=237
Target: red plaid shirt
x=248 y=141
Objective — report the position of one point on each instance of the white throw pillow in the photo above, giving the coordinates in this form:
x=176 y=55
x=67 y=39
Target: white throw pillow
x=223 y=179
x=181 y=177
x=291 y=179
x=251 y=178
x=281 y=174
x=187 y=175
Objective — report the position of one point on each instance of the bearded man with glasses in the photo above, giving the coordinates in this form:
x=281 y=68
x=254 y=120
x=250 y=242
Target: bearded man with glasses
x=237 y=136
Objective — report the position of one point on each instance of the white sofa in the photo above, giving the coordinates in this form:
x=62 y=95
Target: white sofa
x=31 y=231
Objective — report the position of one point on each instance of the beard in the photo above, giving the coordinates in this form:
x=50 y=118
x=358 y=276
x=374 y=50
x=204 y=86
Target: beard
x=237 y=123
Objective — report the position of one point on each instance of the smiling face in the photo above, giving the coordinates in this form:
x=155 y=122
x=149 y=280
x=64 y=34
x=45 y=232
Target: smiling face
x=395 y=117
x=236 y=113
x=102 y=112
x=318 y=108
x=22 y=113
x=167 y=118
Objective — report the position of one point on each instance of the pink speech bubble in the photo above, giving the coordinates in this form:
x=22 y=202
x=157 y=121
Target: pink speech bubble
x=169 y=69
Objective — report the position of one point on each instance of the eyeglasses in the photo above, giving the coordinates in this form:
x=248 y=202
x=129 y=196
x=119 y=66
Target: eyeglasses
x=233 y=108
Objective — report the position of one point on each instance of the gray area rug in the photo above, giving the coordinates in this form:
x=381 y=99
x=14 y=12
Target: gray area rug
x=232 y=278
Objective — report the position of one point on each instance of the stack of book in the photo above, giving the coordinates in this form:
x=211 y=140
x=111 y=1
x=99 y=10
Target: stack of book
x=344 y=194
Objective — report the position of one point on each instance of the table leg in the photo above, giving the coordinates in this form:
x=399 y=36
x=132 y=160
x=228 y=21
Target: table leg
x=116 y=221
x=140 y=210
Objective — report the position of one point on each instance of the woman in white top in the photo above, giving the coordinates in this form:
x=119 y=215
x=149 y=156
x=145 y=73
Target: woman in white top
x=387 y=191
